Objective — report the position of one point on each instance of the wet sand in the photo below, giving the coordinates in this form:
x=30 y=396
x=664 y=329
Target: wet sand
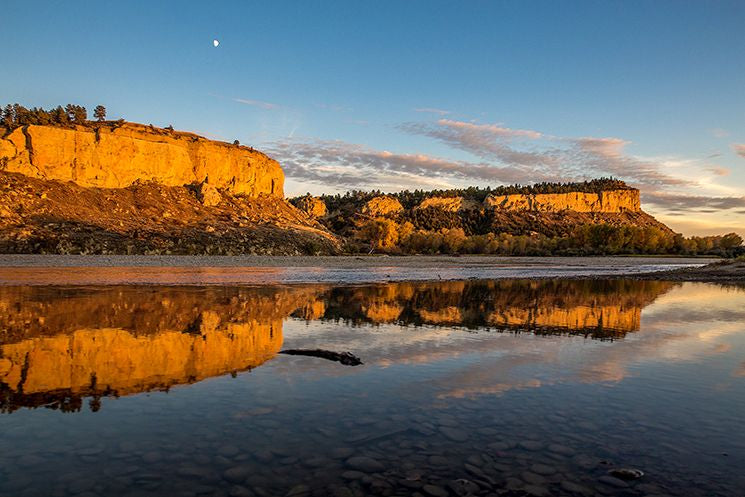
x=716 y=272
x=249 y=270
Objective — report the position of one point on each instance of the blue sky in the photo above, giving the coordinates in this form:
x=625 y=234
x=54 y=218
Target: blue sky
x=394 y=94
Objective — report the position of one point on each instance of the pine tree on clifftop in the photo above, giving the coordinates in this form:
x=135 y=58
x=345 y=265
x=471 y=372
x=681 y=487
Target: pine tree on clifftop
x=99 y=113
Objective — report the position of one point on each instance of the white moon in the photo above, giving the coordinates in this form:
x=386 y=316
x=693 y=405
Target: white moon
x=215 y=42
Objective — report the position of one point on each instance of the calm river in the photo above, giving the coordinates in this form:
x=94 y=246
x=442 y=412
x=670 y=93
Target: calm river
x=511 y=387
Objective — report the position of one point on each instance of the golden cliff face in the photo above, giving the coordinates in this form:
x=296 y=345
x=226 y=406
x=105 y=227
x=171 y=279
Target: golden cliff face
x=606 y=201
x=381 y=206
x=448 y=204
x=116 y=156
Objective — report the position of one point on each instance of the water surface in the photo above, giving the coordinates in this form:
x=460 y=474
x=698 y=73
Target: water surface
x=509 y=387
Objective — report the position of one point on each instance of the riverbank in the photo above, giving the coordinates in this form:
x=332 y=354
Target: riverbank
x=260 y=270
x=716 y=272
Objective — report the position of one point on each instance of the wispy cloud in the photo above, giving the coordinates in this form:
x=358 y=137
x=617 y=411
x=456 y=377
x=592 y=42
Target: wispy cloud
x=486 y=141
x=545 y=156
x=683 y=202
x=357 y=166
x=739 y=149
x=497 y=154
x=719 y=133
x=605 y=147
x=432 y=110
x=256 y=103
x=333 y=107
x=489 y=129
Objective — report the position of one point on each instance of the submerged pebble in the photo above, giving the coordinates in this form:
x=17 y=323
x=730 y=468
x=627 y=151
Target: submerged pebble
x=435 y=491
x=626 y=474
x=366 y=464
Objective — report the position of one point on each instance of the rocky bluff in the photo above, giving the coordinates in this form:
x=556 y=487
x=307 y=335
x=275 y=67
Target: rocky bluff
x=115 y=155
x=616 y=201
x=126 y=188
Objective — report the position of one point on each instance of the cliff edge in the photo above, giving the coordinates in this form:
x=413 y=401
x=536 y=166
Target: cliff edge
x=115 y=155
x=114 y=187
x=612 y=201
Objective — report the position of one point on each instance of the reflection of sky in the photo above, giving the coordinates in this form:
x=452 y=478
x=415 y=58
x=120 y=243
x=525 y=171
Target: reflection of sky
x=694 y=323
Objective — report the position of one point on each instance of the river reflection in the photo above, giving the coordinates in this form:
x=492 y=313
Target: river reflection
x=468 y=387
x=60 y=345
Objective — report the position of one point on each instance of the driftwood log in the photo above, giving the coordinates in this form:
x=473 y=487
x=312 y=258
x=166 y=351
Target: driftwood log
x=346 y=358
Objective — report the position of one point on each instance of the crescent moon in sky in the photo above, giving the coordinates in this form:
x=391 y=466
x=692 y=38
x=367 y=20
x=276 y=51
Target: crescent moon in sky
x=215 y=42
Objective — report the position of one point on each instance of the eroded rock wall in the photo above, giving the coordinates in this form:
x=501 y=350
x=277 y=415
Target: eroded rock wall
x=115 y=156
x=449 y=204
x=606 y=201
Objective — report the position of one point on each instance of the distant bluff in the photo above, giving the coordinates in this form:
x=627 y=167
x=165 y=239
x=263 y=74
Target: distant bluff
x=612 y=201
x=116 y=155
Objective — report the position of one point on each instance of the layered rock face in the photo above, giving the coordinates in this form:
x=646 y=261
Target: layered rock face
x=115 y=156
x=449 y=204
x=612 y=201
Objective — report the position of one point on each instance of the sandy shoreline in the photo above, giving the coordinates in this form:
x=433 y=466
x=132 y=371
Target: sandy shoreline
x=261 y=270
x=342 y=261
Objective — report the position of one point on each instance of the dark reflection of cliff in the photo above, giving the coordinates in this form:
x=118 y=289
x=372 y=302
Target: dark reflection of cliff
x=59 y=345
x=600 y=309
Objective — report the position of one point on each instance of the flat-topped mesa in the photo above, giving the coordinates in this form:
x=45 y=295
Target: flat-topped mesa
x=113 y=155
x=625 y=200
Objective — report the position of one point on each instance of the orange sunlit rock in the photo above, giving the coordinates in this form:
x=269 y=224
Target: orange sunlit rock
x=118 y=155
x=606 y=201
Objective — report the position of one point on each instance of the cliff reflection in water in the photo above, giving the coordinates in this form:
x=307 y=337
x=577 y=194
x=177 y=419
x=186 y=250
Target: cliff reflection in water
x=60 y=345
x=601 y=309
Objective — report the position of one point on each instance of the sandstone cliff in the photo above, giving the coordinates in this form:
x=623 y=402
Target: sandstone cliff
x=381 y=206
x=449 y=204
x=115 y=156
x=614 y=201
x=550 y=218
